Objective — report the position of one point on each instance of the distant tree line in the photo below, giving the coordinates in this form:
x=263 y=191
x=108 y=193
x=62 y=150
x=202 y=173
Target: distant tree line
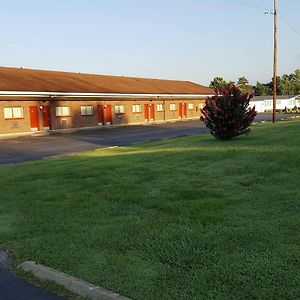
x=286 y=85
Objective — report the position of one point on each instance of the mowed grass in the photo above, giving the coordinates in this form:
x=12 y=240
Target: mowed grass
x=186 y=218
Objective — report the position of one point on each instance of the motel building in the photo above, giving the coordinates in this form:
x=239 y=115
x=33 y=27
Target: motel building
x=37 y=101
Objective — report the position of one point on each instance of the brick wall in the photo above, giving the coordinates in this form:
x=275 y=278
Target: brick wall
x=76 y=120
x=15 y=125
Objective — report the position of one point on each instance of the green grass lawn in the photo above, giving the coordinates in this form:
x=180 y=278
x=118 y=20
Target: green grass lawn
x=185 y=218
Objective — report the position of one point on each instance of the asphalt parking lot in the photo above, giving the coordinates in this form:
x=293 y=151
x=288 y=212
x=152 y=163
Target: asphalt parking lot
x=15 y=288
x=22 y=149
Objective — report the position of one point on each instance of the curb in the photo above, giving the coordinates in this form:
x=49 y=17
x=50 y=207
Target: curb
x=6 y=260
x=7 y=136
x=75 y=285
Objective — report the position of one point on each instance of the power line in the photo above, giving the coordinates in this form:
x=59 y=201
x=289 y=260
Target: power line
x=288 y=23
x=269 y=10
x=252 y=5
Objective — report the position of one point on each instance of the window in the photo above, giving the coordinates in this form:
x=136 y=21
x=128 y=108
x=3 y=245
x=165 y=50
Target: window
x=172 y=106
x=201 y=105
x=191 y=106
x=292 y=102
x=159 y=107
x=119 y=109
x=62 y=111
x=136 y=108
x=86 y=110
x=13 y=112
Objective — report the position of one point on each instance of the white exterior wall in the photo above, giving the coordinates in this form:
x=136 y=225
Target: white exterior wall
x=280 y=104
x=267 y=105
x=259 y=105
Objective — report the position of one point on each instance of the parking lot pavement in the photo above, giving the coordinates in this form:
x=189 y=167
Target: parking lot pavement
x=15 y=288
x=35 y=147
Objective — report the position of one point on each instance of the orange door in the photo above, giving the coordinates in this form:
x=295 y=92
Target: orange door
x=180 y=110
x=152 y=112
x=100 y=114
x=184 y=110
x=108 y=114
x=146 y=112
x=46 y=117
x=34 y=118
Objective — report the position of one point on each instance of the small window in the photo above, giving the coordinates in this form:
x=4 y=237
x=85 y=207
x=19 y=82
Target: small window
x=62 y=111
x=13 y=113
x=292 y=102
x=119 y=109
x=173 y=106
x=201 y=105
x=86 y=110
x=159 y=107
x=269 y=103
x=191 y=106
x=136 y=108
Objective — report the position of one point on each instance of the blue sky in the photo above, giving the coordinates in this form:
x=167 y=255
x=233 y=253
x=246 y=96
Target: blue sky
x=177 y=39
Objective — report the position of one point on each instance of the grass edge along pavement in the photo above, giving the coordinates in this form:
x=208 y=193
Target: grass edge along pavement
x=75 y=285
x=187 y=218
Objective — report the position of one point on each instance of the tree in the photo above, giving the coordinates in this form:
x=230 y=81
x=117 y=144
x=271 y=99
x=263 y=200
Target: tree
x=242 y=81
x=243 y=84
x=287 y=86
x=260 y=89
x=297 y=82
x=297 y=74
x=227 y=114
x=278 y=87
x=218 y=83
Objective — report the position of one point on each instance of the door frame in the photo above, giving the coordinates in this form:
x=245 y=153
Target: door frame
x=184 y=106
x=152 y=111
x=108 y=114
x=48 y=117
x=146 y=112
x=34 y=118
x=182 y=110
x=100 y=110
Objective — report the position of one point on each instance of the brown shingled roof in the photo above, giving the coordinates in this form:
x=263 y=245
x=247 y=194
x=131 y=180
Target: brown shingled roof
x=28 y=80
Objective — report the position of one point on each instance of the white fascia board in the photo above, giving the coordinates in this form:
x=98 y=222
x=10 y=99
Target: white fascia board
x=102 y=95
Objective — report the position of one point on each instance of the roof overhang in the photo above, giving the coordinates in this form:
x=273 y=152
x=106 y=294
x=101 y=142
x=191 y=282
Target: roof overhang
x=96 y=95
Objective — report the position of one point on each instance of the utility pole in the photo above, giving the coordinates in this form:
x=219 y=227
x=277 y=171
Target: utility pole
x=275 y=63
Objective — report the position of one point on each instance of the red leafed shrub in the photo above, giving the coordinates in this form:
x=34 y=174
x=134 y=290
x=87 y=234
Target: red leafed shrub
x=228 y=114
